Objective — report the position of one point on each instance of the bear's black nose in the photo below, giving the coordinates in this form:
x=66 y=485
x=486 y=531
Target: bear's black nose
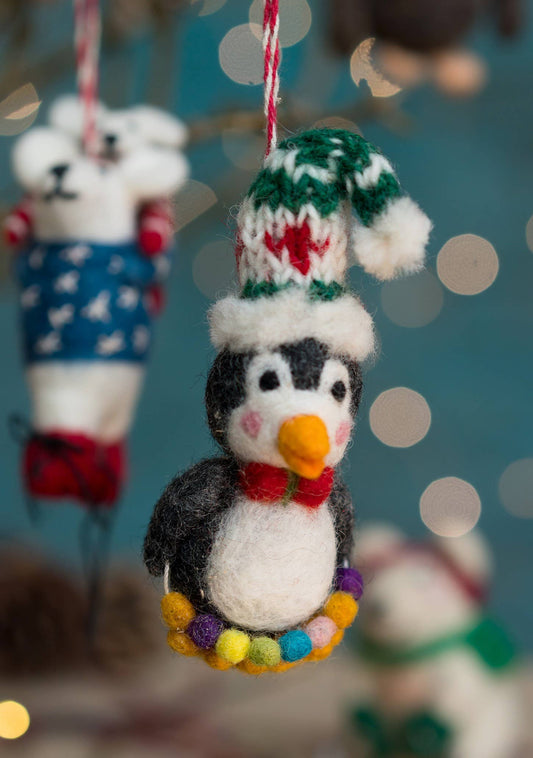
x=111 y=140
x=60 y=170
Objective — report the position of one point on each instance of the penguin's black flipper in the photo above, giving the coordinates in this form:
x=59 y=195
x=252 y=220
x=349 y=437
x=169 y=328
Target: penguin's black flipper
x=201 y=493
x=340 y=502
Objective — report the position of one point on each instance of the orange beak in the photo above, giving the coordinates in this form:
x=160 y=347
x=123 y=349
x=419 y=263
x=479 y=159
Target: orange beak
x=304 y=443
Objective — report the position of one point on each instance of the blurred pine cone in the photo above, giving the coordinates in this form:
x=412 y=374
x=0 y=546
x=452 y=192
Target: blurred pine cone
x=43 y=618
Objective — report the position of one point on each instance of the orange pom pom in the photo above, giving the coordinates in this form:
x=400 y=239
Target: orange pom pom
x=248 y=667
x=177 y=611
x=180 y=643
x=342 y=609
x=283 y=667
x=216 y=662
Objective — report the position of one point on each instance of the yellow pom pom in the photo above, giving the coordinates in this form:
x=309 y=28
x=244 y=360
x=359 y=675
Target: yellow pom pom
x=216 y=662
x=233 y=645
x=176 y=610
x=342 y=609
x=180 y=643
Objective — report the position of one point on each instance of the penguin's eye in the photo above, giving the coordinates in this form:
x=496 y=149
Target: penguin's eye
x=269 y=381
x=339 y=390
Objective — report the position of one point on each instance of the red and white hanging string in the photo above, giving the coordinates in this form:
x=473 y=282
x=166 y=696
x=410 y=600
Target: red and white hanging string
x=271 y=75
x=87 y=29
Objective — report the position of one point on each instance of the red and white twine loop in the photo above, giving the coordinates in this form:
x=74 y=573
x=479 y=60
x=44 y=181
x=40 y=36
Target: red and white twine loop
x=87 y=28
x=271 y=75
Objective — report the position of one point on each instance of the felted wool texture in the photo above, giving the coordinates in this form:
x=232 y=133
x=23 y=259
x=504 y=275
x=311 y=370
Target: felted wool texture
x=295 y=645
x=121 y=131
x=243 y=325
x=176 y=611
x=184 y=523
x=90 y=204
x=264 y=651
x=233 y=645
x=320 y=631
x=342 y=609
x=189 y=518
x=62 y=465
x=271 y=567
x=233 y=390
x=318 y=408
x=395 y=242
x=94 y=398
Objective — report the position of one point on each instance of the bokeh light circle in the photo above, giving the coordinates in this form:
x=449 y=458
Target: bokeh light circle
x=529 y=234
x=295 y=18
x=414 y=301
x=516 y=488
x=450 y=507
x=467 y=264
x=243 y=149
x=241 y=55
x=400 y=417
x=210 y=6
x=337 y=122
x=14 y=720
x=362 y=67
x=213 y=268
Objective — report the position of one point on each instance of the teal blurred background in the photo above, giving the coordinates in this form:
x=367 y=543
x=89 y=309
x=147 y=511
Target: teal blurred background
x=469 y=163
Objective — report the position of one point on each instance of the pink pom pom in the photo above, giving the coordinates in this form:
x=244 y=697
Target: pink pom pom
x=321 y=630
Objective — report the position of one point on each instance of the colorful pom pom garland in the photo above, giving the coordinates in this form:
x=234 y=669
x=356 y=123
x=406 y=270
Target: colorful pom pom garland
x=222 y=647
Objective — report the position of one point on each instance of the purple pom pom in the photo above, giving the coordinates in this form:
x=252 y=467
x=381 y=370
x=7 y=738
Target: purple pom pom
x=205 y=630
x=349 y=580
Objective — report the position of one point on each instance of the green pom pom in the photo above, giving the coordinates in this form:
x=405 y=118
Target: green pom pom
x=264 y=652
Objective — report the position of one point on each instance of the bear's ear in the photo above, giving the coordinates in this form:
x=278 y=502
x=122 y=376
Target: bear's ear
x=37 y=151
x=153 y=172
x=374 y=543
x=66 y=114
x=470 y=553
x=157 y=127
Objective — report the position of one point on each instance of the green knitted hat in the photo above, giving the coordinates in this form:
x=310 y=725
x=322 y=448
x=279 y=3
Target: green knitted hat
x=295 y=230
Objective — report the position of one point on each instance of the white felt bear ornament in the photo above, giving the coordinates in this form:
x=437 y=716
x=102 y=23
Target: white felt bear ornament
x=441 y=674
x=85 y=316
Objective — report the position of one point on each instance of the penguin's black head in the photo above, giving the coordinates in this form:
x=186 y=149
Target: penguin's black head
x=291 y=407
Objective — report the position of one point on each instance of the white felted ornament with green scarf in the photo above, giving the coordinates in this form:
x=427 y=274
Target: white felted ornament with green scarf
x=255 y=544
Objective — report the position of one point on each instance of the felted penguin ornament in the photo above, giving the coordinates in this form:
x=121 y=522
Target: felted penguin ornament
x=255 y=545
x=86 y=319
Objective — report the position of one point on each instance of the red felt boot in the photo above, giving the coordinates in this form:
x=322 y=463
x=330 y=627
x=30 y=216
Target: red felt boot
x=66 y=465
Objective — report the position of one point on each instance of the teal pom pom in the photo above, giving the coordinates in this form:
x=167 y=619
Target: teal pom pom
x=295 y=646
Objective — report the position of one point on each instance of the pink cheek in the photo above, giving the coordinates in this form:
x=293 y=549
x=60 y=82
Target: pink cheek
x=343 y=432
x=251 y=422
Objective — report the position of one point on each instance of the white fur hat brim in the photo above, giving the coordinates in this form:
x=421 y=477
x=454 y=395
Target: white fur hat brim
x=342 y=324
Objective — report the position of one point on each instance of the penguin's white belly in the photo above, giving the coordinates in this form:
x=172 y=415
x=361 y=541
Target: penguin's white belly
x=272 y=566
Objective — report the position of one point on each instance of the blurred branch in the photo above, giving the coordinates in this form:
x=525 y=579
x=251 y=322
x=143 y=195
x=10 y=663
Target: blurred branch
x=293 y=116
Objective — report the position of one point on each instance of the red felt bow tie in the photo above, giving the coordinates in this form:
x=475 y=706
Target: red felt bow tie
x=262 y=482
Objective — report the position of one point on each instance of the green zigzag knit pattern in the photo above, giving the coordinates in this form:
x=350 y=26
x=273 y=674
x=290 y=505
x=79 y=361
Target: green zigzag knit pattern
x=276 y=188
x=316 y=291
